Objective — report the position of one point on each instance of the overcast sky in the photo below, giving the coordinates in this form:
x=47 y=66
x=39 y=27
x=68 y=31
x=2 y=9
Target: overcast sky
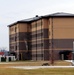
x=14 y=10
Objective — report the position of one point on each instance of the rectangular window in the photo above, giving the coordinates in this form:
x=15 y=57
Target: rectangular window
x=11 y=29
x=15 y=29
x=15 y=47
x=33 y=26
x=11 y=47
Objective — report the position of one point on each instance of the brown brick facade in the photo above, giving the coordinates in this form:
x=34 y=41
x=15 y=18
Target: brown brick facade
x=35 y=38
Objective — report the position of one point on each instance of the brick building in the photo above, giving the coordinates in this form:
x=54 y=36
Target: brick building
x=42 y=37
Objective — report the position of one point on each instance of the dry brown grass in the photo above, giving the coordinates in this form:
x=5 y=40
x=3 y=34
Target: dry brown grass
x=4 y=70
x=34 y=63
x=52 y=71
x=62 y=63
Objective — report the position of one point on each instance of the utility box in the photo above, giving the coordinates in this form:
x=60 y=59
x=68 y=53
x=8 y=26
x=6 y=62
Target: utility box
x=7 y=58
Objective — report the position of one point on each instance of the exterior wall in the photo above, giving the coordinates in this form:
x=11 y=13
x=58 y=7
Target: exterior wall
x=46 y=39
x=37 y=39
x=19 y=38
x=12 y=38
x=37 y=43
x=61 y=33
x=40 y=40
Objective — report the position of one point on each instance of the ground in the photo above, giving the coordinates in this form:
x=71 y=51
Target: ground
x=6 y=68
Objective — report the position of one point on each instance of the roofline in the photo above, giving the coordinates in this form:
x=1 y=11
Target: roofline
x=15 y=23
x=24 y=21
x=60 y=14
x=49 y=16
x=41 y=17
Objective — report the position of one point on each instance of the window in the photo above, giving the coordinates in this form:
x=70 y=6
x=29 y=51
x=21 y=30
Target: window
x=39 y=31
x=11 y=38
x=11 y=47
x=15 y=29
x=33 y=26
x=40 y=45
x=11 y=29
x=15 y=38
x=39 y=24
x=15 y=47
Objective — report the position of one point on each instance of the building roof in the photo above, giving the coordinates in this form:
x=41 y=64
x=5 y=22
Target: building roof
x=59 y=14
x=31 y=19
x=27 y=20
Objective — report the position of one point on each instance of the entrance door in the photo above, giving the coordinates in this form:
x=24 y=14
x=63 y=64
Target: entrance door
x=65 y=55
x=20 y=56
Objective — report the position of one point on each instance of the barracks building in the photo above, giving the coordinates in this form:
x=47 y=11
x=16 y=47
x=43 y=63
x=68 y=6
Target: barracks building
x=43 y=37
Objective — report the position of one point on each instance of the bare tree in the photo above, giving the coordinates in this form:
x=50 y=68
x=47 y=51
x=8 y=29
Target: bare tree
x=3 y=48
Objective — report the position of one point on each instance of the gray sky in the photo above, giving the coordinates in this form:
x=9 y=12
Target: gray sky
x=14 y=10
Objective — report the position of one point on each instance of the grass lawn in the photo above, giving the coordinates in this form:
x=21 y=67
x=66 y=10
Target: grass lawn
x=68 y=71
x=34 y=63
x=4 y=70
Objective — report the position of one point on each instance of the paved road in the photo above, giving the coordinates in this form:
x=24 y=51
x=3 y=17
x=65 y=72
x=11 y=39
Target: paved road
x=38 y=67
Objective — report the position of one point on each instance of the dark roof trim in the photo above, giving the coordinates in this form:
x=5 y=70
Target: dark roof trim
x=26 y=20
x=60 y=14
x=12 y=24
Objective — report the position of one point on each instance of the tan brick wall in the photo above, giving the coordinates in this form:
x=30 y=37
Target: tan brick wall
x=12 y=29
x=23 y=27
x=63 y=28
x=45 y=23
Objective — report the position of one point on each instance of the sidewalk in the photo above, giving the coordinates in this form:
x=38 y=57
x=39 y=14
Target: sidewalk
x=38 y=67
